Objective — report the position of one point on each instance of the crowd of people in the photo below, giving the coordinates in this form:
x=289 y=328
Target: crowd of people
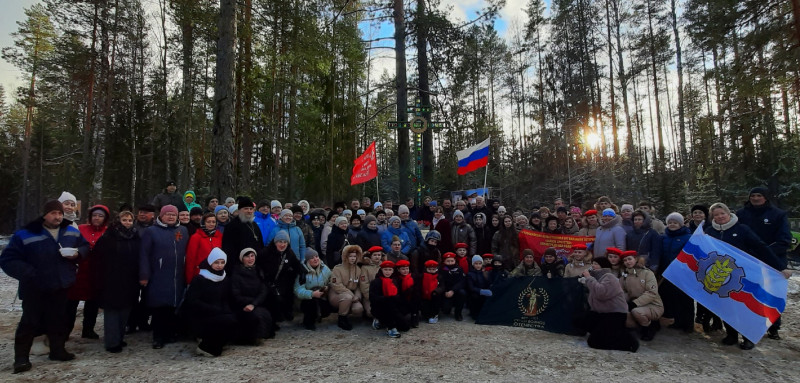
x=233 y=272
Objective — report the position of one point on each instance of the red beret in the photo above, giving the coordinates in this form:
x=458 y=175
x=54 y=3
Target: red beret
x=431 y=263
x=402 y=263
x=374 y=249
x=590 y=212
x=448 y=255
x=629 y=253
x=579 y=246
x=387 y=264
x=487 y=255
x=613 y=250
x=461 y=245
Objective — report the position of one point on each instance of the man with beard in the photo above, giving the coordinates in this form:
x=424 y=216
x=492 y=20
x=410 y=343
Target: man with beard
x=447 y=207
x=242 y=232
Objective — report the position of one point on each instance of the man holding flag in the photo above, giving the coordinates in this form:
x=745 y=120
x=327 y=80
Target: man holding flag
x=734 y=274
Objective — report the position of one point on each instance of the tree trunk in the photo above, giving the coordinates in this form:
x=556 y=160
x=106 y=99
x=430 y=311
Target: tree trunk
x=402 y=98
x=614 y=132
x=679 y=64
x=425 y=98
x=224 y=93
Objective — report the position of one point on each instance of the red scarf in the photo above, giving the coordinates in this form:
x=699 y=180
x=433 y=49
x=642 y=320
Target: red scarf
x=407 y=282
x=462 y=261
x=389 y=288
x=429 y=283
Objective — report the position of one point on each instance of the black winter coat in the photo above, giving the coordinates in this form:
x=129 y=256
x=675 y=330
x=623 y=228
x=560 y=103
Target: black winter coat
x=368 y=238
x=269 y=260
x=477 y=280
x=247 y=287
x=451 y=278
x=333 y=251
x=240 y=235
x=770 y=224
x=116 y=268
x=743 y=238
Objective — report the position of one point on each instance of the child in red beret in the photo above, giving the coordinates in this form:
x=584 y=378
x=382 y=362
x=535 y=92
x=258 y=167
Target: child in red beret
x=431 y=294
x=409 y=292
x=461 y=257
x=451 y=281
x=386 y=299
x=578 y=262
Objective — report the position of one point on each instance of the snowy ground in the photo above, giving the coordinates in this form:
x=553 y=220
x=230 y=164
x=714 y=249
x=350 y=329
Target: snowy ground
x=444 y=352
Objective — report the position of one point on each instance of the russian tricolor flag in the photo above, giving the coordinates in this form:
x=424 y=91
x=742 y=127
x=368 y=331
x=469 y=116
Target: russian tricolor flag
x=742 y=290
x=473 y=158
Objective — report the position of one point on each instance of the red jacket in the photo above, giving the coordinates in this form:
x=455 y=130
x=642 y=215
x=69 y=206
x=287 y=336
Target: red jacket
x=200 y=245
x=82 y=289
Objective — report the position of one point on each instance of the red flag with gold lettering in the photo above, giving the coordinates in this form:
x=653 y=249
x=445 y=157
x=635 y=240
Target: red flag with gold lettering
x=366 y=166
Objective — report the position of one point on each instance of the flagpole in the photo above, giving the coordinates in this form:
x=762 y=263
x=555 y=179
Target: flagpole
x=485 y=176
x=377 y=191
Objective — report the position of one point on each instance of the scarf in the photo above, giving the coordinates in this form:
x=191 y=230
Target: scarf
x=726 y=226
x=209 y=233
x=407 y=282
x=212 y=275
x=72 y=217
x=429 y=283
x=389 y=288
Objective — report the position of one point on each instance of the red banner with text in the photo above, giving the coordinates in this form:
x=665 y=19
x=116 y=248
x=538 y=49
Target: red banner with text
x=366 y=166
x=539 y=242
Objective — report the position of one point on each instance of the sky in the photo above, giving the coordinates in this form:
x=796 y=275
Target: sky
x=12 y=11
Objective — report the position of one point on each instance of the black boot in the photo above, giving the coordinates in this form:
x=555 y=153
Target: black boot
x=344 y=323
x=62 y=355
x=89 y=333
x=746 y=344
x=649 y=332
x=22 y=365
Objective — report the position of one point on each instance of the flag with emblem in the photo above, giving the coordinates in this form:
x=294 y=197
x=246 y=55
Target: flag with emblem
x=745 y=292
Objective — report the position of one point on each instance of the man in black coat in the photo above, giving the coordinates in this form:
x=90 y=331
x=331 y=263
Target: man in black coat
x=170 y=196
x=242 y=232
x=771 y=225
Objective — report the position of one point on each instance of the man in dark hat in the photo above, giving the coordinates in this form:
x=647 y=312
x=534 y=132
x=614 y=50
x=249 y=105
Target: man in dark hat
x=170 y=196
x=145 y=216
x=772 y=226
x=43 y=257
x=242 y=232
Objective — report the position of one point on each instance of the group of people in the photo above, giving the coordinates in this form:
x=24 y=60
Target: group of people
x=232 y=272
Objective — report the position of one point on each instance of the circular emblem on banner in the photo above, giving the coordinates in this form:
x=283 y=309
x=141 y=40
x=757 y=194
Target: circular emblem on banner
x=719 y=274
x=419 y=125
x=533 y=301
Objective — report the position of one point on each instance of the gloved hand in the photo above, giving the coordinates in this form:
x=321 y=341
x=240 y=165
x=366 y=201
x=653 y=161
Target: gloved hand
x=486 y=292
x=631 y=305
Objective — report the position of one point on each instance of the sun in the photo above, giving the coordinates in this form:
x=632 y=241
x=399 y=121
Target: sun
x=592 y=140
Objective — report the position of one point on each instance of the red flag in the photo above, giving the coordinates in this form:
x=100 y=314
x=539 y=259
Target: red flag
x=538 y=242
x=366 y=166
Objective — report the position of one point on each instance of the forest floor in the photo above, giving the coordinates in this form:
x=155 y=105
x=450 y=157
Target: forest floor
x=444 y=352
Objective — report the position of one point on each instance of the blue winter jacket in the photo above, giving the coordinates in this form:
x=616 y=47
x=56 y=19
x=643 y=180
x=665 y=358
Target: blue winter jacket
x=162 y=258
x=32 y=257
x=770 y=224
x=297 y=240
x=672 y=243
x=266 y=223
x=414 y=234
x=386 y=240
x=315 y=279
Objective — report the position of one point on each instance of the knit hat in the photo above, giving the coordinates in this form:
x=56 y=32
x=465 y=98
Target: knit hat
x=246 y=251
x=347 y=212
x=432 y=203
x=626 y=207
x=760 y=190
x=402 y=209
x=394 y=218
x=67 y=196
x=168 y=209
x=196 y=211
x=361 y=212
x=575 y=209
x=461 y=245
x=477 y=258
x=245 y=201
x=375 y=206
x=603 y=262
x=340 y=219
x=702 y=208
x=282 y=235
x=275 y=203
x=402 y=263
x=369 y=218
x=458 y=213
x=550 y=251
x=431 y=263
x=170 y=183
x=146 y=207
x=448 y=255
x=387 y=264
x=590 y=212
x=375 y=249
x=675 y=216
x=501 y=209
x=297 y=209
x=285 y=212
x=310 y=254
x=609 y=213
x=562 y=208
x=216 y=254
x=481 y=216
x=229 y=200
x=262 y=203
x=233 y=208
x=217 y=209
x=56 y=205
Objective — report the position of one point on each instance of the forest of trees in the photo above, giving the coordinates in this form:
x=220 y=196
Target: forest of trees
x=689 y=101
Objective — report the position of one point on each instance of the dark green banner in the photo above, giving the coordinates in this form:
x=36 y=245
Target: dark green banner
x=535 y=302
